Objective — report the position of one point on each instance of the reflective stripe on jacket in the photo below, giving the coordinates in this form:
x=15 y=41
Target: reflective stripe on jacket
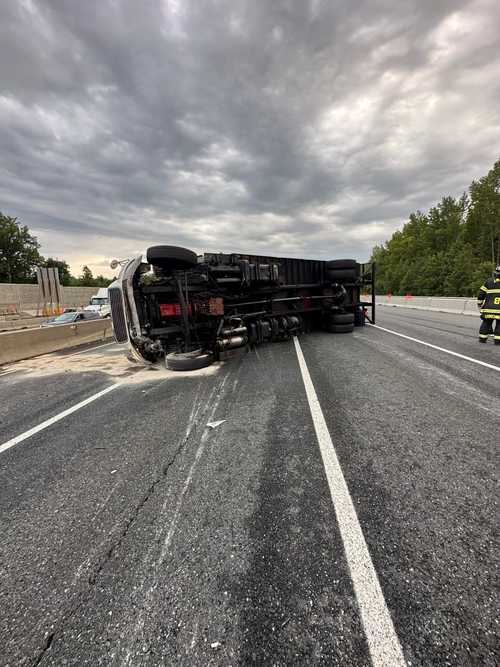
x=488 y=299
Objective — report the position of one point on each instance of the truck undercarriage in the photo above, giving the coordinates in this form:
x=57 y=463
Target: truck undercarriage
x=192 y=310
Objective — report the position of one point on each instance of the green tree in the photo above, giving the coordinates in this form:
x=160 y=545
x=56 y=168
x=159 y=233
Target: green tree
x=101 y=281
x=483 y=220
x=86 y=279
x=19 y=254
x=448 y=251
x=65 y=277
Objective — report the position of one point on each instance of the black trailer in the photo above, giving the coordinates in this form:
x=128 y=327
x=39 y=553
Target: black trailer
x=194 y=309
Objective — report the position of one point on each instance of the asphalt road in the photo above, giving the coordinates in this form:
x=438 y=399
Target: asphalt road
x=133 y=534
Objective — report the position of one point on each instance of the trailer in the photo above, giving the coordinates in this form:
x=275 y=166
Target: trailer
x=191 y=310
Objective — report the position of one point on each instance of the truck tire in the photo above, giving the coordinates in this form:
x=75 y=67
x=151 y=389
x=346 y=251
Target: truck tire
x=342 y=264
x=188 y=361
x=340 y=328
x=341 y=318
x=171 y=257
x=342 y=275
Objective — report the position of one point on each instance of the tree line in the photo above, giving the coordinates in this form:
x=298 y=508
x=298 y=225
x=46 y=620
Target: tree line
x=20 y=257
x=448 y=251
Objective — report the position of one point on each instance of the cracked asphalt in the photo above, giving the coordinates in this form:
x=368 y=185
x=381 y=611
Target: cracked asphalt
x=133 y=534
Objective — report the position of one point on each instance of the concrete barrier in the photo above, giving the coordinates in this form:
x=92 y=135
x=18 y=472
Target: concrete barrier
x=22 y=323
x=440 y=304
x=471 y=308
x=29 y=343
x=16 y=297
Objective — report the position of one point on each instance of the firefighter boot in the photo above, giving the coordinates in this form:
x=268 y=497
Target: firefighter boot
x=483 y=339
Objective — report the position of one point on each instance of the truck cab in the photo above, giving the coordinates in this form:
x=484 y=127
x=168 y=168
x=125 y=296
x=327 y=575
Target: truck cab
x=99 y=303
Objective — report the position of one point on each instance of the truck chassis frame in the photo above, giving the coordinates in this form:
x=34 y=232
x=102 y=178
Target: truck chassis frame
x=195 y=309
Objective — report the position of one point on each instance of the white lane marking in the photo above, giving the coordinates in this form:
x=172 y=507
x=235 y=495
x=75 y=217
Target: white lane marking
x=12 y=370
x=91 y=349
x=383 y=643
x=56 y=418
x=436 y=347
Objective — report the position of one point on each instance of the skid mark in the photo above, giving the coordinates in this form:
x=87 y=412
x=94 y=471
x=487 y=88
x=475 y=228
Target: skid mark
x=163 y=541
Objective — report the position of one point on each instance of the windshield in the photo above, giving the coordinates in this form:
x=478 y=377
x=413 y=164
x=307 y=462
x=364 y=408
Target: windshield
x=65 y=317
x=96 y=301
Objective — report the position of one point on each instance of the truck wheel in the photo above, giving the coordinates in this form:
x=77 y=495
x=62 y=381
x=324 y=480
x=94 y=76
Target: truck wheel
x=171 y=257
x=341 y=318
x=188 y=361
x=340 y=328
x=341 y=275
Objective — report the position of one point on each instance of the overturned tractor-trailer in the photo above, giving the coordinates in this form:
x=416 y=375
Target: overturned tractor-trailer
x=192 y=310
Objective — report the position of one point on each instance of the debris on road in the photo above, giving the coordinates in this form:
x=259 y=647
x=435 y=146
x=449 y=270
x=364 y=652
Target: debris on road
x=215 y=424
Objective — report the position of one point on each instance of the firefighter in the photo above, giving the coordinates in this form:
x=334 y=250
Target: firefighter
x=488 y=302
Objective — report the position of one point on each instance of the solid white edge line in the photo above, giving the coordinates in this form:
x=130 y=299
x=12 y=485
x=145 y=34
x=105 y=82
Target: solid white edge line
x=56 y=418
x=436 y=347
x=383 y=643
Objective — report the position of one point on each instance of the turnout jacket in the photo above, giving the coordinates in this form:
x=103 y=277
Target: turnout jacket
x=488 y=299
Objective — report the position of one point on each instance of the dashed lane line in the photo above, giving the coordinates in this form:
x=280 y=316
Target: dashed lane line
x=383 y=643
x=56 y=418
x=436 y=347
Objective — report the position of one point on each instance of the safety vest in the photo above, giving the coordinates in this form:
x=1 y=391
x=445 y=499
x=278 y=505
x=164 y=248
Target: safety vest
x=488 y=299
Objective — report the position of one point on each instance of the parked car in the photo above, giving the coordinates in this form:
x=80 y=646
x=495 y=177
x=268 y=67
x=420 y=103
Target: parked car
x=72 y=318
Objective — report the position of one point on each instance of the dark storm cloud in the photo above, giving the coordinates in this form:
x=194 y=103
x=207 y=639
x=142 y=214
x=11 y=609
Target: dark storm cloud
x=289 y=127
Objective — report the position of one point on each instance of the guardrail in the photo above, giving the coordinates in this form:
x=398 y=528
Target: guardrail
x=17 y=345
x=442 y=304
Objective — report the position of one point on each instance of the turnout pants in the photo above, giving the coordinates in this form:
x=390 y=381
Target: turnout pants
x=486 y=328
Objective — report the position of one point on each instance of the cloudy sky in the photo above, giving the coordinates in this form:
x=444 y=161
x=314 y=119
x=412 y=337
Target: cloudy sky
x=302 y=127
